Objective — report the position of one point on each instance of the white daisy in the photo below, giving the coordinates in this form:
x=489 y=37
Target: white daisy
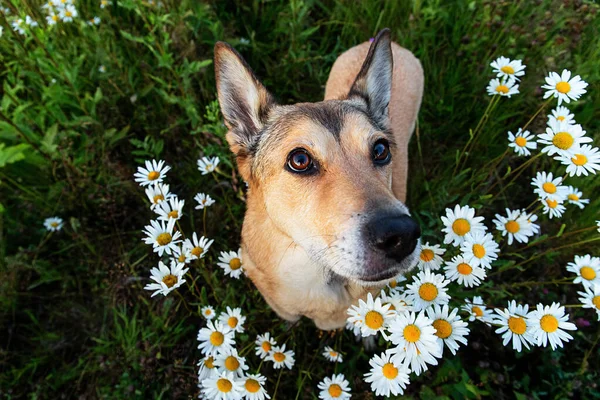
x=68 y=13
x=591 y=298
x=477 y=310
x=336 y=387
x=157 y=193
x=52 y=18
x=207 y=165
x=254 y=387
x=449 y=328
x=415 y=340
x=53 y=224
x=264 y=344
x=553 y=208
x=386 y=376
x=427 y=289
x=223 y=386
x=104 y=3
x=480 y=250
x=503 y=88
x=207 y=368
x=585 y=159
x=154 y=172
x=208 y=312
x=166 y=279
x=574 y=197
x=215 y=337
x=395 y=283
x=506 y=68
x=102 y=69
x=197 y=247
x=430 y=257
x=564 y=87
x=562 y=139
x=171 y=209
x=233 y=318
x=459 y=222
x=332 y=355
x=94 y=21
x=354 y=327
x=587 y=269
x=548 y=187
x=161 y=236
x=280 y=357
x=516 y=225
x=514 y=325
x=548 y=324
x=463 y=272
x=561 y=114
x=18 y=26
x=398 y=301
x=231 y=262
x=229 y=360
x=371 y=316
x=522 y=142
x=30 y=21
x=203 y=200
x=182 y=254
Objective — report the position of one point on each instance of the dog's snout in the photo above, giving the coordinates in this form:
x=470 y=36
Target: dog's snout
x=396 y=236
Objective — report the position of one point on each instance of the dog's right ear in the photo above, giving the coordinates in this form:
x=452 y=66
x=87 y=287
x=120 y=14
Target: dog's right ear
x=244 y=100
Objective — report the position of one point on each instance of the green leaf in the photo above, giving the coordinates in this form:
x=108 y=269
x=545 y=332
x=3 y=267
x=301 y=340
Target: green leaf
x=12 y=154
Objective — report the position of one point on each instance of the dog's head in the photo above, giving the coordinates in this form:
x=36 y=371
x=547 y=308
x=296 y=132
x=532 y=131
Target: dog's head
x=322 y=172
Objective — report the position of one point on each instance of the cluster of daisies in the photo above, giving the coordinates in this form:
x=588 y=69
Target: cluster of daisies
x=587 y=269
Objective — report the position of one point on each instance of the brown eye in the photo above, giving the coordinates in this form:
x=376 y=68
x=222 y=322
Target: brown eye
x=381 y=152
x=299 y=161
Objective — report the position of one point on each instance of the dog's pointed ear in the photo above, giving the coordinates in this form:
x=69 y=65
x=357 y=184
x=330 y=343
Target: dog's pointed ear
x=374 y=81
x=243 y=99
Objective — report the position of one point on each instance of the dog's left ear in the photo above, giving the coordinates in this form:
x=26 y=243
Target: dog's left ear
x=374 y=81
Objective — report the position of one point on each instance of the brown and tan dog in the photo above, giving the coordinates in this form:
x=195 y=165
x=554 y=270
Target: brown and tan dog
x=325 y=221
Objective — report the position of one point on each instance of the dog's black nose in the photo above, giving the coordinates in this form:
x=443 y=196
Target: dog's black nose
x=395 y=235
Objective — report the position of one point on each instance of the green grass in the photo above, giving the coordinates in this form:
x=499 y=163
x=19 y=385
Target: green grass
x=74 y=319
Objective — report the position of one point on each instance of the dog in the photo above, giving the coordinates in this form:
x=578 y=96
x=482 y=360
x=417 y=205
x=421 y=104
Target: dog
x=325 y=222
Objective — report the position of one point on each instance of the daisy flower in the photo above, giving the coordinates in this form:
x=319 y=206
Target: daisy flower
x=52 y=18
x=586 y=159
x=562 y=139
x=68 y=13
x=415 y=340
x=215 y=337
x=430 y=257
x=587 y=269
x=203 y=200
x=229 y=360
x=264 y=344
x=371 y=316
x=161 y=236
x=197 y=247
x=591 y=298
x=516 y=226
x=548 y=324
x=171 y=209
x=466 y=274
x=102 y=69
x=564 y=87
x=154 y=172
x=561 y=114
x=503 y=88
x=17 y=26
x=393 y=284
x=231 y=262
x=233 y=318
x=480 y=250
x=427 y=289
x=332 y=355
x=208 y=312
x=522 y=142
x=181 y=254
x=53 y=224
x=553 y=208
x=477 y=310
x=157 y=193
x=30 y=21
x=281 y=358
x=103 y=3
x=166 y=279
x=354 y=327
x=449 y=328
x=254 y=387
x=574 y=197
x=223 y=386
x=94 y=21
x=398 y=301
x=336 y=387
x=207 y=165
x=548 y=187
x=459 y=222
x=514 y=325
x=506 y=68
x=386 y=376
x=207 y=368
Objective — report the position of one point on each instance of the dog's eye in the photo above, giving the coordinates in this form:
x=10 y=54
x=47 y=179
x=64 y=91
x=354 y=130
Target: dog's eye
x=381 y=152
x=300 y=161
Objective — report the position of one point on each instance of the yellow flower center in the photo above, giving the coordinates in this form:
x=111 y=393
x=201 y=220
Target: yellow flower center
x=173 y=214
x=428 y=291
x=279 y=356
x=520 y=141
x=464 y=269
x=389 y=371
x=217 y=338
x=512 y=226
x=232 y=363
x=478 y=250
x=68 y=14
x=552 y=203
x=427 y=255
x=158 y=198
x=563 y=87
x=374 y=320
x=507 y=69
x=169 y=280
x=560 y=118
x=153 y=175
x=549 y=187
x=266 y=346
x=596 y=302
x=412 y=333
x=461 y=227
x=210 y=362
x=517 y=325
x=333 y=354
x=587 y=273
x=477 y=311
x=443 y=328
x=54 y=224
x=549 y=323
x=55 y=18
x=235 y=263
x=197 y=251
x=579 y=159
x=181 y=258
x=224 y=385
x=335 y=390
x=393 y=284
x=252 y=385
x=563 y=140
x=232 y=322
x=163 y=239
x=573 y=197
x=207 y=312
x=502 y=89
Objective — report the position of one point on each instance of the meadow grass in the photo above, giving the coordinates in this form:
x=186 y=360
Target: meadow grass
x=81 y=106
